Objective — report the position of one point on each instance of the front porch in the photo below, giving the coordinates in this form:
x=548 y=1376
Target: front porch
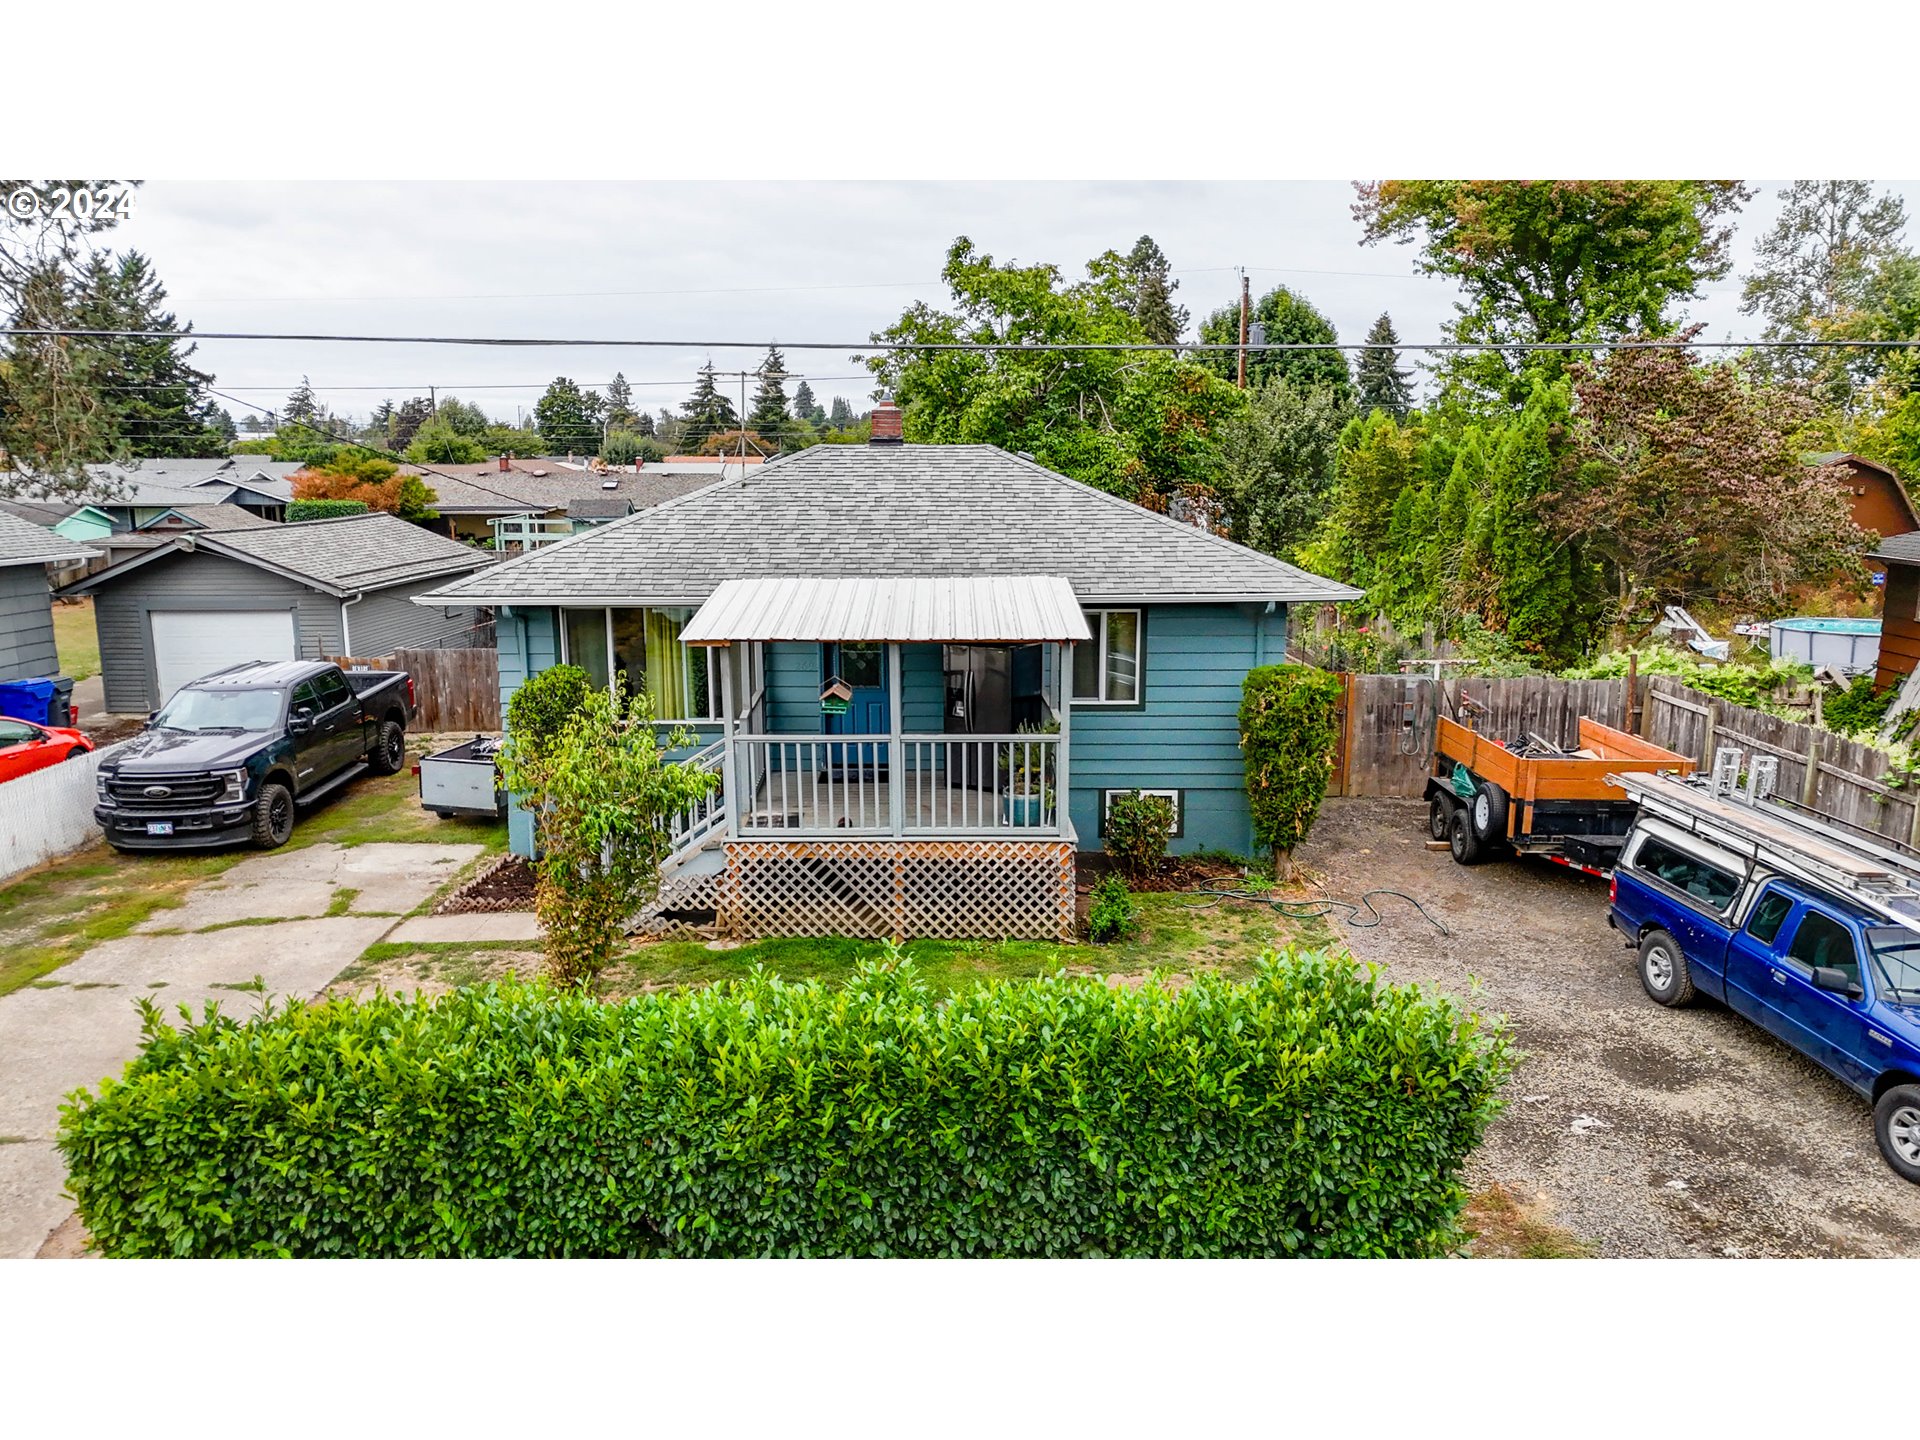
x=865 y=827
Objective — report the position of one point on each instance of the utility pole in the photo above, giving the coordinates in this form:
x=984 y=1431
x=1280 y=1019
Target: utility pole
x=1243 y=329
x=433 y=400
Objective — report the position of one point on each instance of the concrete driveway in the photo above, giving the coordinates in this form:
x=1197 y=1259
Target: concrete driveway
x=294 y=920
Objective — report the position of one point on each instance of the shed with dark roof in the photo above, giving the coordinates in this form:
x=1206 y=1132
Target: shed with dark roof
x=202 y=599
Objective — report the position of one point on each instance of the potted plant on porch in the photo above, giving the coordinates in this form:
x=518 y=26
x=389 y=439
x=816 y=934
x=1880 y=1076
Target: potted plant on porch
x=1026 y=774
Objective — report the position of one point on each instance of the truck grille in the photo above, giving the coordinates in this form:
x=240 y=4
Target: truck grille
x=164 y=792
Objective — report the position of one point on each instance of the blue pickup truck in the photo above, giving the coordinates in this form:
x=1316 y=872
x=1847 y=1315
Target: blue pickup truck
x=1837 y=980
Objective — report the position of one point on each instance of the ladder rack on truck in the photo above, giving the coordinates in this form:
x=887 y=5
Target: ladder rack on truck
x=1533 y=797
x=1773 y=836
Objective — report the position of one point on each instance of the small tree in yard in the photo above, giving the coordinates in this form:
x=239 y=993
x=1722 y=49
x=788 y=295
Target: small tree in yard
x=1138 y=829
x=1289 y=725
x=600 y=793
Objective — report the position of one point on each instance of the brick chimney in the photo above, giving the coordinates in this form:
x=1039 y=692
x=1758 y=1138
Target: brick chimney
x=886 y=424
x=505 y=463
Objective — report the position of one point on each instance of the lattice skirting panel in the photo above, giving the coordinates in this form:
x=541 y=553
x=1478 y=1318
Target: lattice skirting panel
x=899 y=889
x=679 y=893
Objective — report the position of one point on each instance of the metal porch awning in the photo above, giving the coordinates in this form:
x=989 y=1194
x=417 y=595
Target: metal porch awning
x=962 y=609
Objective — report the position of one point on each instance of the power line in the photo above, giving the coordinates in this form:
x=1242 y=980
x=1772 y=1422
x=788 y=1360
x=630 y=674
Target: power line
x=965 y=346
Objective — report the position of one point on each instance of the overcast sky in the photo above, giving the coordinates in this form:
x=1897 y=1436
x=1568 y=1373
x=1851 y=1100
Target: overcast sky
x=784 y=261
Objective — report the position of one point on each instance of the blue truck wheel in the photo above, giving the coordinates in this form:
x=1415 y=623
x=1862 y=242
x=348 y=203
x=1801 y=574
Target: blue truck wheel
x=1896 y=1125
x=1663 y=970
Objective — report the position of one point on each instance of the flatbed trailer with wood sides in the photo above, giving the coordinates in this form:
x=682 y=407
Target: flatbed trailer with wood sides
x=1529 y=796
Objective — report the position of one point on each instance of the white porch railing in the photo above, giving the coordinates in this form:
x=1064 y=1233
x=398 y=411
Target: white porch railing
x=691 y=827
x=526 y=532
x=943 y=785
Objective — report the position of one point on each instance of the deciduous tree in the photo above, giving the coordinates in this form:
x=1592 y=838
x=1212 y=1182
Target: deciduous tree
x=1554 y=261
x=356 y=475
x=1276 y=465
x=1288 y=319
x=568 y=418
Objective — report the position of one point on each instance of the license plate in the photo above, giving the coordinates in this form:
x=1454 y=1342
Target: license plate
x=159 y=827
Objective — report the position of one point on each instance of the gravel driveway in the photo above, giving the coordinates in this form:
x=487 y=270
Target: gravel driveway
x=1643 y=1131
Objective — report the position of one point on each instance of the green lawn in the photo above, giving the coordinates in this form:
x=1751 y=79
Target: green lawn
x=1176 y=935
x=53 y=915
x=76 y=639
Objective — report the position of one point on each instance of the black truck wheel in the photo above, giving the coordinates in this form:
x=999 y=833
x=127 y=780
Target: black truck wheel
x=273 y=816
x=1489 y=811
x=1663 y=970
x=389 y=751
x=1896 y=1125
x=1466 y=850
x=1439 y=813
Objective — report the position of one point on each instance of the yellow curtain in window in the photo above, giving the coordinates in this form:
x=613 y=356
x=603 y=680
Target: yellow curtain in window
x=666 y=666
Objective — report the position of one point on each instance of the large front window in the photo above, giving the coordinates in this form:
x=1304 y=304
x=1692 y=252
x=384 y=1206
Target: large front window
x=1106 y=669
x=642 y=645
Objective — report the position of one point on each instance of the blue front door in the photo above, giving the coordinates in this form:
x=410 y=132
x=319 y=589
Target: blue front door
x=864 y=668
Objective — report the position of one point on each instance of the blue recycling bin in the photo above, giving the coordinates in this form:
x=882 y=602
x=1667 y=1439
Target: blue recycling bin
x=27 y=700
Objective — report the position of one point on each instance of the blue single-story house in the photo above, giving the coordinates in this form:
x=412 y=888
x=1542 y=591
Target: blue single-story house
x=902 y=659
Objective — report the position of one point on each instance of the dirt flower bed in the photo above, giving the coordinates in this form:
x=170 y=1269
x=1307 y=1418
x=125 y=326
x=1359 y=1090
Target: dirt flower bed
x=506 y=884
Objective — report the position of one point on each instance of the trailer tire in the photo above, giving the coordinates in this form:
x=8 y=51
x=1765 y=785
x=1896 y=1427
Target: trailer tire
x=1439 y=815
x=1664 y=973
x=1460 y=839
x=1896 y=1125
x=1489 y=811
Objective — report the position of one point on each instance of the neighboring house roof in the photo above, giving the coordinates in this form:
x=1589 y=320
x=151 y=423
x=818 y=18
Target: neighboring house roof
x=598 y=507
x=1008 y=609
x=1838 y=457
x=39 y=512
x=207 y=517
x=489 y=490
x=341 y=556
x=894 y=510
x=24 y=543
x=1901 y=549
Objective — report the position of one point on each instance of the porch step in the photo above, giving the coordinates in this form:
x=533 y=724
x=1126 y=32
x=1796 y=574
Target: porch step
x=710 y=861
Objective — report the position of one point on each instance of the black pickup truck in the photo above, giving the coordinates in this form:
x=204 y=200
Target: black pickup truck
x=229 y=757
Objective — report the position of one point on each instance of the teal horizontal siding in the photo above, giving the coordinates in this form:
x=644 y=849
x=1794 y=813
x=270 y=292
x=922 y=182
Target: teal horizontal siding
x=1187 y=735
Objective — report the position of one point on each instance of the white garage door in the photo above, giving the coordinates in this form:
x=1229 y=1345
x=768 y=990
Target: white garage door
x=190 y=643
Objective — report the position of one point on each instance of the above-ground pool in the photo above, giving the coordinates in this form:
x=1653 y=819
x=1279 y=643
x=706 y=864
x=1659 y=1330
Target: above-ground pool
x=1849 y=646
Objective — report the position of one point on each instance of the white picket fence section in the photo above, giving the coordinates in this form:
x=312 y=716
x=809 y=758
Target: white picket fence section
x=48 y=813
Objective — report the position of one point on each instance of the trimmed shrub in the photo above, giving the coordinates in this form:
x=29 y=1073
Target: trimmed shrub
x=1111 y=913
x=298 y=510
x=1137 y=831
x=1314 y=1110
x=541 y=707
x=1289 y=726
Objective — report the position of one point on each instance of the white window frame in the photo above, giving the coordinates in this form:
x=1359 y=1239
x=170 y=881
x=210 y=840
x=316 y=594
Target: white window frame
x=1097 y=623
x=1175 y=798
x=714 y=703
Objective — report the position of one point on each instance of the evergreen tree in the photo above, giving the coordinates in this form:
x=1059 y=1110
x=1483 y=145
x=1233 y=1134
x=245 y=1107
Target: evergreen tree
x=841 y=415
x=157 y=401
x=302 y=407
x=1538 y=599
x=1380 y=383
x=620 y=403
x=805 y=407
x=1288 y=319
x=769 y=418
x=643 y=425
x=707 y=413
x=569 y=418
x=408 y=419
x=1152 y=303
x=1376 y=460
x=221 y=422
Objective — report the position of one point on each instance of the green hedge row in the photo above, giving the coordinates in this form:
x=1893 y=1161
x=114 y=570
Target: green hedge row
x=323 y=509
x=1312 y=1111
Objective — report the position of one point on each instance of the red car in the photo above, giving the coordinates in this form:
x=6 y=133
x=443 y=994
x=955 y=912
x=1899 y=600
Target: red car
x=26 y=747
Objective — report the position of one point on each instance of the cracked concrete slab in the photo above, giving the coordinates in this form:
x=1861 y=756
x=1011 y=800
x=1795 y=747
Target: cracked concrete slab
x=444 y=929
x=391 y=878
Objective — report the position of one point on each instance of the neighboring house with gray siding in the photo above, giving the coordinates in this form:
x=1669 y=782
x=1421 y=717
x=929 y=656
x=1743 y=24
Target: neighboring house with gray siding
x=207 y=599
x=26 y=599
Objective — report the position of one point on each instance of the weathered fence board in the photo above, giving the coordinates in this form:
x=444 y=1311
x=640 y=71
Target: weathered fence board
x=1387 y=748
x=455 y=689
x=1840 y=778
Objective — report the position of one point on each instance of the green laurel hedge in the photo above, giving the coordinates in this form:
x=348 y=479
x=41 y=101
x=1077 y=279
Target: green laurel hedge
x=298 y=510
x=1312 y=1111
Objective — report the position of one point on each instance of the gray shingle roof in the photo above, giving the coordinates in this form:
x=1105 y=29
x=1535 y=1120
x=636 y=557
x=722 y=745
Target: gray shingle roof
x=489 y=490
x=24 y=543
x=353 y=552
x=894 y=510
x=1903 y=548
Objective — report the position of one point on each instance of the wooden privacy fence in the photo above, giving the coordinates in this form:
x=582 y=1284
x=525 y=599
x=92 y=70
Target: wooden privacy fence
x=1822 y=771
x=1389 y=720
x=455 y=689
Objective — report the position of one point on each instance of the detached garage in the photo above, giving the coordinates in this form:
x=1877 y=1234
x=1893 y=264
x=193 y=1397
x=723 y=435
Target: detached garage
x=319 y=588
